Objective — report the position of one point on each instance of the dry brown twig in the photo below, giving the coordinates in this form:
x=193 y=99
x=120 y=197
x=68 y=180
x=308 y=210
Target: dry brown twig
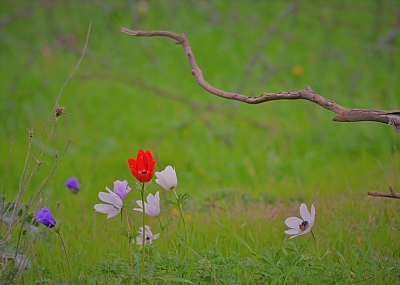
x=392 y=194
x=390 y=117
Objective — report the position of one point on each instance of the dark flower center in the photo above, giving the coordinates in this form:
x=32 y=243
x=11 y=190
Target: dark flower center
x=304 y=225
x=142 y=171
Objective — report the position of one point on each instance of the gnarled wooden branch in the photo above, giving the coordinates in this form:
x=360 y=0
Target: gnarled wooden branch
x=392 y=194
x=343 y=114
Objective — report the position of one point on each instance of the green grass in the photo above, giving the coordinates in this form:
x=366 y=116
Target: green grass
x=247 y=167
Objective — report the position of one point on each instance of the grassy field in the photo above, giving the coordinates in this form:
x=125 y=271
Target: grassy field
x=246 y=167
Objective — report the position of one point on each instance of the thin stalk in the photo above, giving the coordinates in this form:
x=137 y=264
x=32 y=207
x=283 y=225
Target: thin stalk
x=314 y=238
x=3 y=200
x=129 y=239
x=66 y=254
x=144 y=230
x=122 y=227
x=316 y=247
x=180 y=206
x=163 y=233
x=184 y=221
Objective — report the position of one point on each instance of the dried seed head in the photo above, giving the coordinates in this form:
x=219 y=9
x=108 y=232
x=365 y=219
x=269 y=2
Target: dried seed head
x=60 y=111
x=30 y=132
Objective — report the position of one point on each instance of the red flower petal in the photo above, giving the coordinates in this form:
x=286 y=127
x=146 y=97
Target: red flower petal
x=143 y=167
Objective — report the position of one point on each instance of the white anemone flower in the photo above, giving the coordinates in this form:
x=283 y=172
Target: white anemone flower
x=149 y=237
x=152 y=207
x=167 y=178
x=114 y=206
x=298 y=226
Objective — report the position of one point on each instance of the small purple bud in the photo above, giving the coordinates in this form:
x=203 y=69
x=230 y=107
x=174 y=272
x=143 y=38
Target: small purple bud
x=45 y=217
x=121 y=188
x=73 y=184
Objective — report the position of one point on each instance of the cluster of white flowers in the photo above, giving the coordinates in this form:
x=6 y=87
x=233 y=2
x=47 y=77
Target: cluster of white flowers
x=167 y=179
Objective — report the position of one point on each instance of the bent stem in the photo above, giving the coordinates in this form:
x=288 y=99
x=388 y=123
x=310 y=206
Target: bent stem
x=66 y=254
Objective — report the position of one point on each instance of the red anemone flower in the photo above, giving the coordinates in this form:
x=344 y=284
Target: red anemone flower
x=143 y=166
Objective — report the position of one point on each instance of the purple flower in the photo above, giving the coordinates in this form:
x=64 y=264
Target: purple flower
x=73 y=184
x=45 y=217
x=121 y=188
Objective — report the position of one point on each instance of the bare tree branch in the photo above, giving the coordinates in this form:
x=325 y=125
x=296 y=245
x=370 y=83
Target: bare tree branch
x=343 y=114
x=392 y=194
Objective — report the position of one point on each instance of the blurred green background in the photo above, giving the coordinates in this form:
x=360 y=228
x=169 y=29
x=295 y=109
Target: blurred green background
x=131 y=93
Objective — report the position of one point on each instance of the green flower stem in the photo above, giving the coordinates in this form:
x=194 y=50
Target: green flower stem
x=122 y=226
x=163 y=233
x=129 y=238
x=176 y=196
x=180 y=206
x=66 y=254
x=316 y=247
x=144 y=230
x=313 y=238
x=184 y=221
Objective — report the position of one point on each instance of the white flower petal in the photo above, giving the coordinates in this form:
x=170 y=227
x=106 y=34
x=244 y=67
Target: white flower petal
x=118 y=202
x=148 y=231
x=292 y=231
x=148 y=236
x=293 y=222
x=305 y=214
x=167 y=178
x=107 y=209
x=152 y=206
x=170 y=176
x=150 y=199
x=104 y=208
x=106 y=197
x=111 y=198
x=114 y=206
x=138 y=209
x=152 y=211
x=161 y=181
x=312 y=219
x=113 y=213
